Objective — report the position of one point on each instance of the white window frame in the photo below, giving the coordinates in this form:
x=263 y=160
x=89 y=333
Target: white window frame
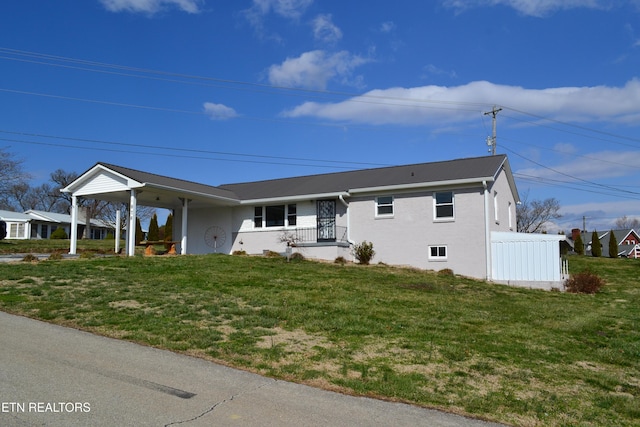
x=436 y=205
x=379 y=205
x=495 y=207
x=264 y=225
x=438 y=256
x=510 y=216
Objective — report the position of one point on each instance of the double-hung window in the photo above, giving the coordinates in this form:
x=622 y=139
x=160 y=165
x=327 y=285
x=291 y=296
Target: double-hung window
x=257 y=217
x=384 y=206
x=443 y=205
x=291 y=215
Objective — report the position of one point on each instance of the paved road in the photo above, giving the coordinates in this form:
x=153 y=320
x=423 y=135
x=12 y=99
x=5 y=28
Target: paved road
x=55 y=376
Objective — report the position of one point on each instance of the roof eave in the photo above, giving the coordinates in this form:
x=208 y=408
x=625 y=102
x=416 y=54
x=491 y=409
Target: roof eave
x=191 y=193
x=423 y=185
x=295 y=198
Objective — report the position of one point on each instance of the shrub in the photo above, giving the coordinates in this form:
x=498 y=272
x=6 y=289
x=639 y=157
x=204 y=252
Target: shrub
x=445 y=272
x=55 y=256
x=296 y=256
x=240 y=253
x=363 y=252
x=340 y=260
x=59 y=233
x=271 y=254
x=584 y=282
x=30 y=258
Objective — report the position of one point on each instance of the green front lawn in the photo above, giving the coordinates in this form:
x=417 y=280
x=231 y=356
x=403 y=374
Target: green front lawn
x=511 y=355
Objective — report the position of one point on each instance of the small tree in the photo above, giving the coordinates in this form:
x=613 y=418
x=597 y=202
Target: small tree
x=168 y=228
x=613 y=245
x=596 y=247
x=154 y=234
x=139 y=233
x=579 y=245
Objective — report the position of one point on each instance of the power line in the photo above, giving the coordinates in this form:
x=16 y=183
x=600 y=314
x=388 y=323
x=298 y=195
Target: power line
x=182 y=150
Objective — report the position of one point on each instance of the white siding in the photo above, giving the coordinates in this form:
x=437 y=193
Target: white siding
x=103 y=182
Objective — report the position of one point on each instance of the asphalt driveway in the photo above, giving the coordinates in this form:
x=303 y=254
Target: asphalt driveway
x=56 y=376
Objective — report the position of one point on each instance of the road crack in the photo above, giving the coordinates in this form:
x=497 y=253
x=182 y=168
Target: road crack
x=221 y=402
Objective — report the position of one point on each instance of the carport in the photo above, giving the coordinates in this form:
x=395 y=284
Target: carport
x=118 y=184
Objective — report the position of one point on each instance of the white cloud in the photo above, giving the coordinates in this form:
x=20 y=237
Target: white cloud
x=325 y=30
x=441 y=104
x=312 y=70
x=591 y=167
x=538 y=8
x=387 y=27
x=219 y=111
x=151 y=6
x=433 y=70
x=289 y=9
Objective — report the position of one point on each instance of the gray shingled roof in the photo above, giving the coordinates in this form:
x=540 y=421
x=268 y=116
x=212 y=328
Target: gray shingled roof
x=331 y=183
x=166 y=182
x=472 y=168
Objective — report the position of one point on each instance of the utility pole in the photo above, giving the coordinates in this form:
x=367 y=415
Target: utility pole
x=492 y=141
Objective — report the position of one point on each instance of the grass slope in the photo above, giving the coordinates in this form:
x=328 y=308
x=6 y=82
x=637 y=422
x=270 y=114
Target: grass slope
x=511 y=355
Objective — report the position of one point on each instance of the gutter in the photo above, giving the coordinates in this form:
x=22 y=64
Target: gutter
x=487 y=231
x=346 y=205
x=421 y=185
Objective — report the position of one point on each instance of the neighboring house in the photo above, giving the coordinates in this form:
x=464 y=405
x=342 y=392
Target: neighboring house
x=18 y=224
x=436 y=216
x=34 y=224
x=628 y=242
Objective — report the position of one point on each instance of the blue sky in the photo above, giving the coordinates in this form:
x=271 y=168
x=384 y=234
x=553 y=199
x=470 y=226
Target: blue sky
x=230 y=91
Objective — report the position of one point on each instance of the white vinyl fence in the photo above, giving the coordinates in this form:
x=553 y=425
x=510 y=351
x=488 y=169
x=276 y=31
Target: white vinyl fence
x=529 y=260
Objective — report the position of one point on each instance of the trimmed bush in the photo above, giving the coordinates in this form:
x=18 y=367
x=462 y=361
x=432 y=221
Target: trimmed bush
x=59 y=233
x=363 y=252
x=584 y=282
x=55 y=256
x=340 y=260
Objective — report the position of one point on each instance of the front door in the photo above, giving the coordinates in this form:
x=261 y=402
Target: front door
x=326 y=210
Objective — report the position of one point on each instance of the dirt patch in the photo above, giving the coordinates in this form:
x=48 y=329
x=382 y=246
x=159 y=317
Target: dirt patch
x=125 y=303
x=297 y=341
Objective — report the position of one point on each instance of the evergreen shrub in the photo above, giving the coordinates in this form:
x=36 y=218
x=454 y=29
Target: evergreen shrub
x=59 y=233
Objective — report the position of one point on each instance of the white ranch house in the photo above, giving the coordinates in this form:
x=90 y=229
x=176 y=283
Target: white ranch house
x=439 y=215
x=35 y=224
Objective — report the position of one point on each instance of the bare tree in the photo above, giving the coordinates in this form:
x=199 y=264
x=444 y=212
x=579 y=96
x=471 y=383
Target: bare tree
x=626 y=223
x=533 y=216
x=11 y=174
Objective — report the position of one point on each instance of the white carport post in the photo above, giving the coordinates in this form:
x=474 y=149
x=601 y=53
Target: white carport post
x=183 y=241
x=73 y=246
x=117 y=231
x=131 y=229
